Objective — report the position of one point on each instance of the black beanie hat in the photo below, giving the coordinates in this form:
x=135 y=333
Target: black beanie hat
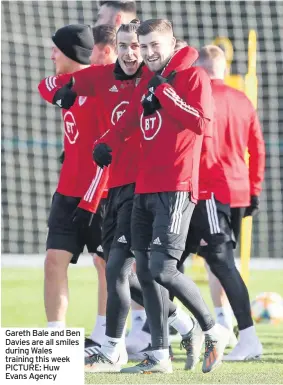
x=75 y=41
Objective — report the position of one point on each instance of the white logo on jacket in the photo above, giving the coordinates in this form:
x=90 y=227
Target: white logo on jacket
x=118 y=111
x=150 y=125
x=71 y=130
x=82 y=100
x=113 y=89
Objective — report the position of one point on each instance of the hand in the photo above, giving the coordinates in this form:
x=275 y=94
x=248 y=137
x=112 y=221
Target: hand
x=150 y=103
x=82 y=217
x=102 y=155
x=157 y=80
x=65 y=97
x=252 y=210
x=62 y=157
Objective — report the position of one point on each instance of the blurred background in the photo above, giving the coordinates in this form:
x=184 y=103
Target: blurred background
x=32 y=129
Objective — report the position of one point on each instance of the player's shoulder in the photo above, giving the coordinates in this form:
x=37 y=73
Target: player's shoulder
x=107 y=68
x=237 y=96
x=195 y=73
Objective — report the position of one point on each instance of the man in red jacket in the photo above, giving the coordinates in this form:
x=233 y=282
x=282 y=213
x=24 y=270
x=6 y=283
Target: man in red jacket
x=237 y=128
x=72 y=48
x=121 y=192
x=172 y=123
x=103 y=53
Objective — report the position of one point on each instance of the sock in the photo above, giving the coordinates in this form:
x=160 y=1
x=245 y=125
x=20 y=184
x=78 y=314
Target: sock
x=247 y=334
x=138 y=318
x=111 y=348
x=213 y=331
x=98 y=332
x=224 y=316
x=181 y=321
x=56 y=324
x=160 y=355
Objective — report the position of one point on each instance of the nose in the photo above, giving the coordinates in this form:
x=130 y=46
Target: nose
x=130 y=51
x=149 y=51
x=52 y=55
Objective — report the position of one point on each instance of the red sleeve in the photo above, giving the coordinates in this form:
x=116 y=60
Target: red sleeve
x=87 y=82
x=256 y=148
x=195 y=110
x=95 y=192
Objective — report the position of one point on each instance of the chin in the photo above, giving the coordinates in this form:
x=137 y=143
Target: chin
x=131 y=71
x=154 y=67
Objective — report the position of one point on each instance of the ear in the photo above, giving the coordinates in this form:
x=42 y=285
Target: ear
x=118 y=20
x=173 y=42
x=107 y=50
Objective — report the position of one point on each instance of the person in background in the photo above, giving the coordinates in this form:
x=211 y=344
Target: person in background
x=238 y=129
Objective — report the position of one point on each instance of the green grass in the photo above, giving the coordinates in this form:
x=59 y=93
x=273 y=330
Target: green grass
x=22 y=306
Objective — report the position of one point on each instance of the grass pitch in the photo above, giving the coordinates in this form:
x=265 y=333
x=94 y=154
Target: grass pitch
x=22 y=306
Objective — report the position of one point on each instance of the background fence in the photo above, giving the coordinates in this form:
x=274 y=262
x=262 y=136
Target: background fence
x=32 y=130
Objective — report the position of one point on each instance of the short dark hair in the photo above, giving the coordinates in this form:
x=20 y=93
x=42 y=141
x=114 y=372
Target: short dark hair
x=130 y=27
x=124 y=6
x=180 y=43
x=152 y=25
x=104 y=34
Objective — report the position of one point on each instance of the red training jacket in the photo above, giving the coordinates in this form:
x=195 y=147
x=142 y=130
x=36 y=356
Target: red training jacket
x=238 y=129
x=212 y=178
x=172 y=136
x=82 y=126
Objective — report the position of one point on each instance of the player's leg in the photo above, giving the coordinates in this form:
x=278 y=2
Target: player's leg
x=93 y=238
x=237 y=214
x=174 y=214
x=156 y=298
x=223 y=312
x=118 y=268
x=179 y=319
x=62 y=248
x=137 y=340
x=138 y=313
x=98 y=331
x=219 y=254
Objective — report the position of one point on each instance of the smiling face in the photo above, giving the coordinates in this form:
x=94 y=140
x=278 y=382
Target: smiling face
x=156 y=49
x=128 y=48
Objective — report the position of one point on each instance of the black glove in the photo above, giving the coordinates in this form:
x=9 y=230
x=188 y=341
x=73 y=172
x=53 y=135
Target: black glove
x=253 y=208
x=82 y=217
x=102 y=155
x=157 y=80
x=62 y=157
x=65 y=97
x=150 y=103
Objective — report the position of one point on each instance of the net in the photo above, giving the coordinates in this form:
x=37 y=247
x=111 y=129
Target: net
x=32 y=130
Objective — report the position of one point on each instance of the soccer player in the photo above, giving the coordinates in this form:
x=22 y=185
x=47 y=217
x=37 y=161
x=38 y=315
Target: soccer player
x=103 y=53
x=238 y=129
x=72 y=48
x=116 y=12
x=114 y=84
x=172 y=120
